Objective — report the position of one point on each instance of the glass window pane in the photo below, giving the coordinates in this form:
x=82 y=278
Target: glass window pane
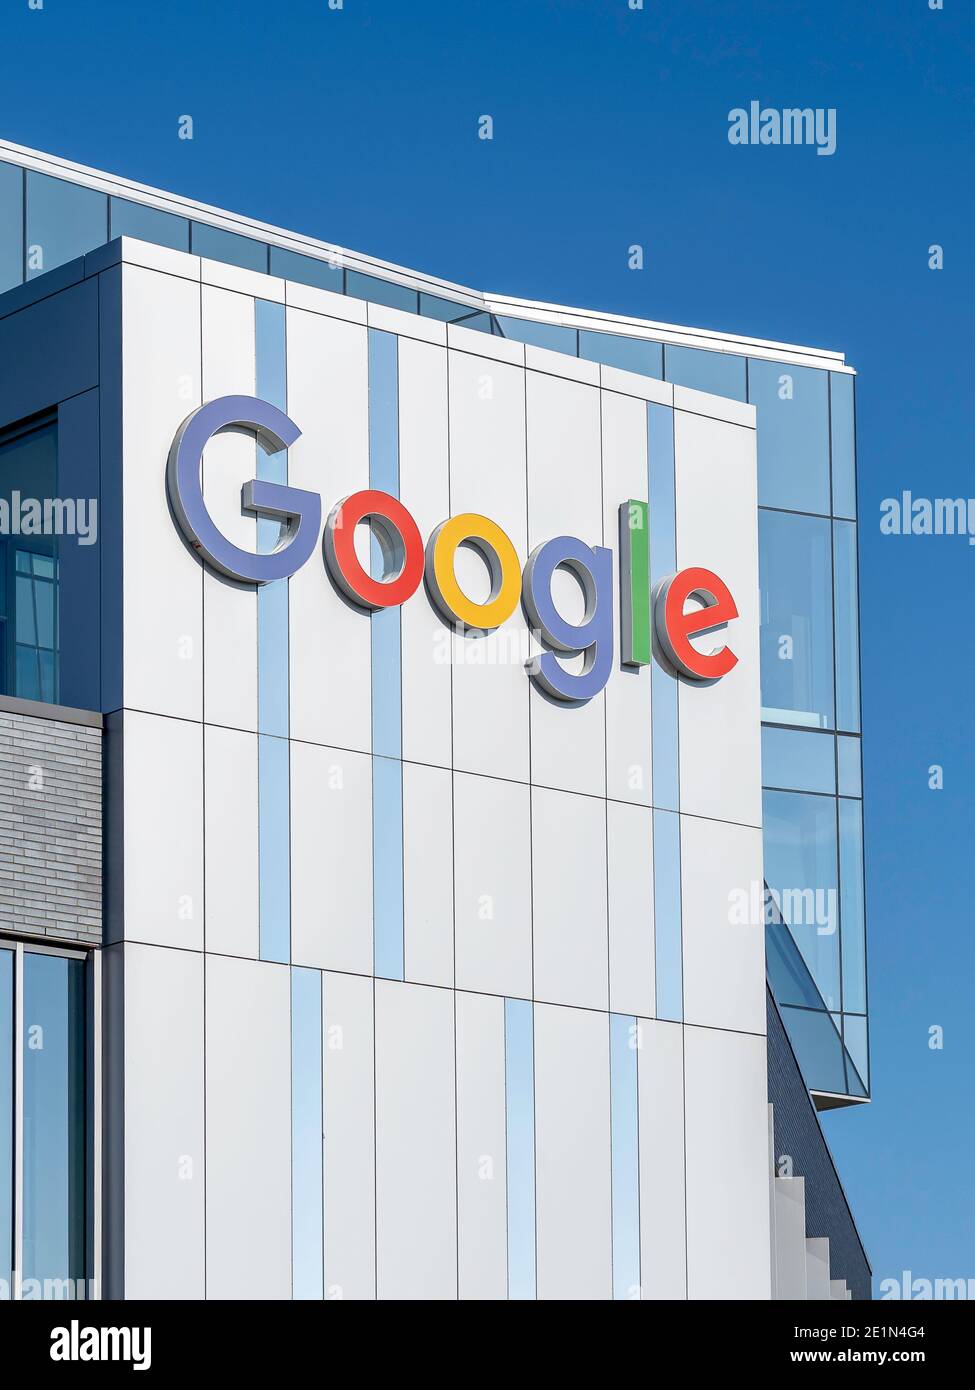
x=632 y=354
x=378 y=291
x=848 y=762
x=798 y=761
x=855 y=1038
x=480 y=323
x=847 y=626
x=543 y=335
x=27 y=676
x=843 y=437
x=47 y=674
x=217 y=245
x=28 y=603
x=307 y=270
x=720 y=373
x=149 y=224
x=793 y=435
x=54 y=1117
x=11 y=227
x=446 y=310
x=64 y=221
x=799 y=842
x=818 y=1048
x=6 y=1114
x=787 y=972
x=852 y=926
x=797 y=619
x=26 y=627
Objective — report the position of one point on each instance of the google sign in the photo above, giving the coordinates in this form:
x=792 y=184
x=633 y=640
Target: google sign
x=407 y=562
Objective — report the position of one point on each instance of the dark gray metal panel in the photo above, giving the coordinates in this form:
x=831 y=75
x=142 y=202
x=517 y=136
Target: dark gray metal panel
x=114 y=829
x=79 y=566
x=51 y=823
x=33 y=291
x=49 y=352
x=798 y=1135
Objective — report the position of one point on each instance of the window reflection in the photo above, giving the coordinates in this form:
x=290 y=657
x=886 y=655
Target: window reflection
x=801 y=872
x=149 y=224
x=795 y=568
x=846 y=607
x=28 y=571
x=718 y=373
x=544 y=335
x=11 y=226
x=851 y=906
x=793 y=435
x=842 y=433
x=795 y=760
x=217 y=245
x=64 y=221
x=378 y=291
x=54 y=1119
x=631 y=354
x=307 y=270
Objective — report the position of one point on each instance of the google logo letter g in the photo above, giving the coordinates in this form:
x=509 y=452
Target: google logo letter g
x=655 y=623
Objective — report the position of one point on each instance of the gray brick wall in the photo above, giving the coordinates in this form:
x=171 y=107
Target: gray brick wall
x=50 y=824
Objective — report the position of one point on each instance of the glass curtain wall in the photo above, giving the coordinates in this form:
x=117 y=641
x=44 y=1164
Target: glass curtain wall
x=44 y=1134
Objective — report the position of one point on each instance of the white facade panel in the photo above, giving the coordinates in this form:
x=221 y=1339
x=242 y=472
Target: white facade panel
x=481 y=1187
x=248 y=1090
x=492 y=886
x=163 y=787
x=348 y=1117
x=660 y=1084
x=726 y=1118
x=416 y=1186
x=162 y=602
x=331 y=858
x=717 y=527
x=571 y=951
x=330 y=657
x=231 y=842
x=428 y=899
x=723 y=925
x=165 y=1172
x=527 y=849
x=572 y=1137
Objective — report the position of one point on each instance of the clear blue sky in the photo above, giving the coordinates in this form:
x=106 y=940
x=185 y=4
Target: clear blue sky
x=359 y=126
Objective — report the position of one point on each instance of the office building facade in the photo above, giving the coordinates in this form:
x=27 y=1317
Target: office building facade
x=356 y=947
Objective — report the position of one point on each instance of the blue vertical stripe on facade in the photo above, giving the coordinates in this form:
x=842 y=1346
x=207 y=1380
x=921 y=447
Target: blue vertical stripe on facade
x=274 y=847
x=663 y=563
x=307 y=1239
x=519 y=1084
x=668 y=951
x=387 y=867
x=274 y=781
x=387 y=743
x=623 y=1043
x=272 y=599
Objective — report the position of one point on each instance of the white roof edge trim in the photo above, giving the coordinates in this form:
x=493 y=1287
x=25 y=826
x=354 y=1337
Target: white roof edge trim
x=416 y=280
x=566 y=316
